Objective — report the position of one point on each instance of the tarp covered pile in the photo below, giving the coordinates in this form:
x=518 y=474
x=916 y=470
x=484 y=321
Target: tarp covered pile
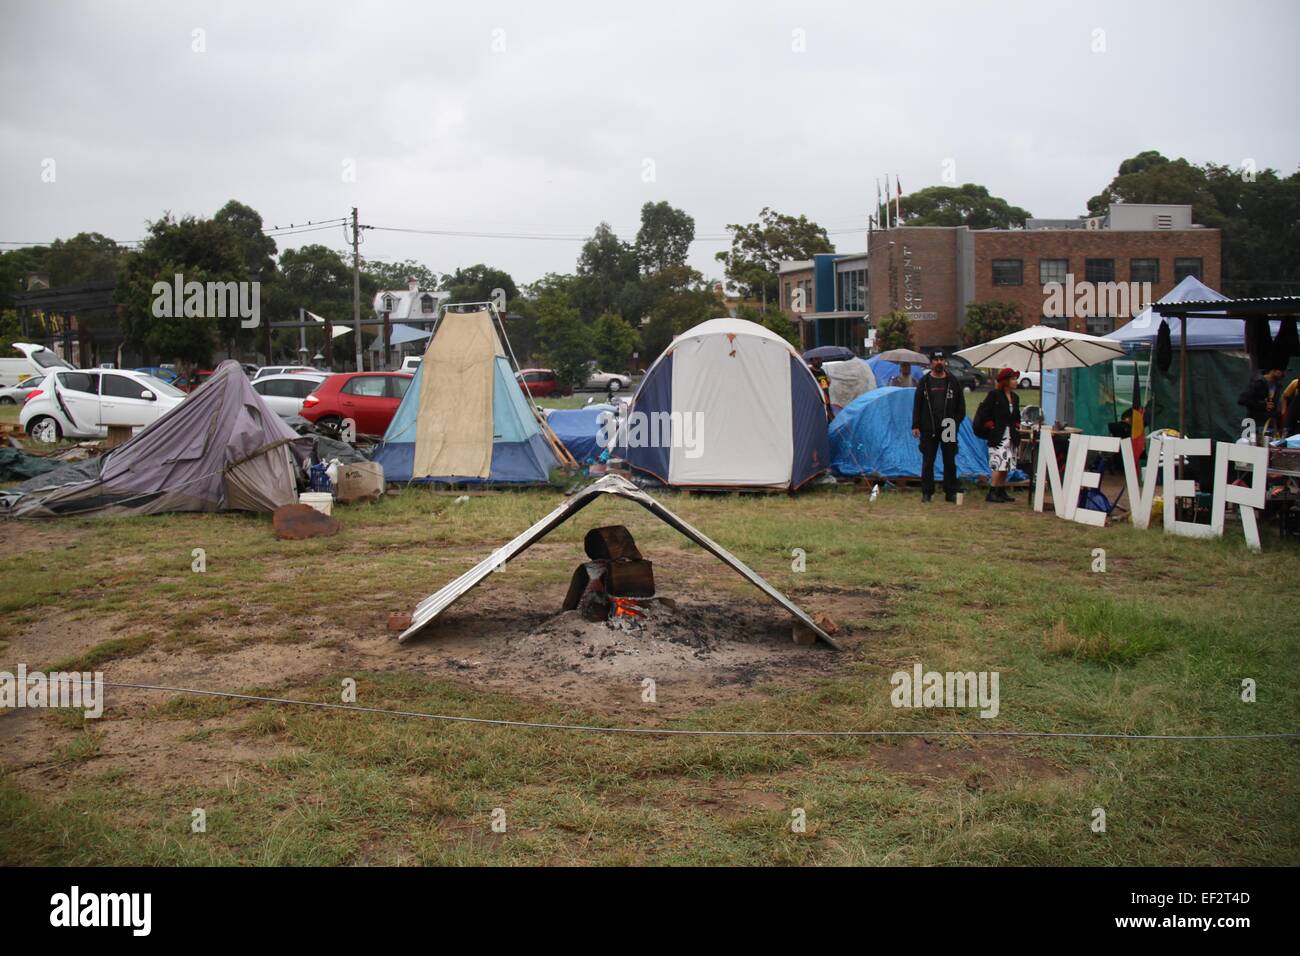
x=221 y=449
x=873 y=436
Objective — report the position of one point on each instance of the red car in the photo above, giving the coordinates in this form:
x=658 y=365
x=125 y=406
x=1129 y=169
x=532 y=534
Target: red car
x=368 y=398
x=540 y=382
x=188 y=383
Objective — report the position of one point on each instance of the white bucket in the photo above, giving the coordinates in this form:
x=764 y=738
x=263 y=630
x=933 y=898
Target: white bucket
x=322 y=501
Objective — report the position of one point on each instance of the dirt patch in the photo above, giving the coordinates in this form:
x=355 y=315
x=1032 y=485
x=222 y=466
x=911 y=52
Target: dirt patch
x=986 y=764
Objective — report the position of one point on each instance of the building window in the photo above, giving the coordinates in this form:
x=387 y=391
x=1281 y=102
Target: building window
x=853 y=291
x=1055 y=321
x=1008 y=271
x=1185 y=266
x=426 y=304
x=1052 y=270
x=1100 y=325
x=1099 y=270
x=1144 y=270
x=388 y=303
x=787 y=295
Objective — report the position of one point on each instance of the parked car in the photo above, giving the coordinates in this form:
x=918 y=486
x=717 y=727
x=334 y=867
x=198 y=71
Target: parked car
x=188 y=383
x=36 y=362
x=1030 y=379
x=540 y=382
x=968 y=375
x=161 y=372
x=369 y=399
x=82 y=403
x=285 y=393
x=17 y=394
x=266 y=370
x=606 y=381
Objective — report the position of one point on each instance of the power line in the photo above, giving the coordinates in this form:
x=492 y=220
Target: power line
x=676 y=731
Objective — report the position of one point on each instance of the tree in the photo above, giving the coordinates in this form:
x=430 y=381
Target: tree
x=894 y=331
x=478 y=283
x=608 y=276
x=1258 y=212
x=773 y=319
x=664 y=239
x=318 y=279
x=201 y=250
x=965 y=205
x=614 y=341
x=758 y=247
x=986 y=321
x=395 y=276
x=564 y=338
x=678 y=311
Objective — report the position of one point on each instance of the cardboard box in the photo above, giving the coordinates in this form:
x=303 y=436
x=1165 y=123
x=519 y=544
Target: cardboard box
x=360 y=481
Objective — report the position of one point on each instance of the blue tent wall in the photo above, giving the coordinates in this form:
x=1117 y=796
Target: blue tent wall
x=812 y=453
x=873 y=436
x=654 y=395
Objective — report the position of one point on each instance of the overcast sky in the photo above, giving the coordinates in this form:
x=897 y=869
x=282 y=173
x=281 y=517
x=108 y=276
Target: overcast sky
x=546 y=118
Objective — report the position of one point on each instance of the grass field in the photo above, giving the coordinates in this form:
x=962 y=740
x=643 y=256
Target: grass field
x=1157 y=644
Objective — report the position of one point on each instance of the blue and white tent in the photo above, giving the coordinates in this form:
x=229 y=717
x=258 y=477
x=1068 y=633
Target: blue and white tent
x=873 y=436
x=1202 y=333
x=728 y=404
x=465 y=418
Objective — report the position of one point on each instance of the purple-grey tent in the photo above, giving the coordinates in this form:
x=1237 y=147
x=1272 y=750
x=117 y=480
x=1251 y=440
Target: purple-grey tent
x=222 y=449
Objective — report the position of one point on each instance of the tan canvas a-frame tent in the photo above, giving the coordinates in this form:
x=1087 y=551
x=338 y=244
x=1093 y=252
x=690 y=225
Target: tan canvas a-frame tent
x=465 y=419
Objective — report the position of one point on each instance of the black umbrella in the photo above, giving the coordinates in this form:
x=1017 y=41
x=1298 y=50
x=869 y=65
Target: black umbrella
x=829 y=353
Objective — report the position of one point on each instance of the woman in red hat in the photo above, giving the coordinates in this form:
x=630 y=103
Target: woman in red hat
x=999 y=416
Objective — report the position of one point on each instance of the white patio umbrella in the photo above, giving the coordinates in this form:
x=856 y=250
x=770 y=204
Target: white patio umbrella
x=1045 y=347
x=1048 y=348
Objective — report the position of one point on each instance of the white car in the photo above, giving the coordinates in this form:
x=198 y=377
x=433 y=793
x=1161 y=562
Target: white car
x=17 y=394
x=282 y=370
x=37 y=361
x=83 y=403
x=1030 y=379
x=606 y=381
x=284 y=393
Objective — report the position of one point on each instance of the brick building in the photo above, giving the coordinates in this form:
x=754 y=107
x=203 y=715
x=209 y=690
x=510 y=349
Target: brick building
x=1076 y=273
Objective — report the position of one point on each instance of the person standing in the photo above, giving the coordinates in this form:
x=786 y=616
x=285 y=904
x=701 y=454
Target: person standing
x=1263 y=401
x=999 y=416
x=937 y=410
x=904 y=377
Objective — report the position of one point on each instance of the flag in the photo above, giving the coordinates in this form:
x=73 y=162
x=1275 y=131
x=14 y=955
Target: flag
x=898 y=203
x=886 y=200
x=1138 y=431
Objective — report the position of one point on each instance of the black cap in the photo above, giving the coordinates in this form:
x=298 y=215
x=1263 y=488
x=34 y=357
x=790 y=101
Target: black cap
x=937 y=353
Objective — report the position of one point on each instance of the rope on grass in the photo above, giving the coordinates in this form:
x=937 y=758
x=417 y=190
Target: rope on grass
x=683 y=732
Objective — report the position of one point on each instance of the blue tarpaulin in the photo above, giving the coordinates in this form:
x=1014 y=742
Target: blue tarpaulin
x=577 y=428
x=885 y=370
x=873 y=436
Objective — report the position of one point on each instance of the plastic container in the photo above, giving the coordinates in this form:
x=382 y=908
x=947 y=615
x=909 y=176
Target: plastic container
x=321 y=501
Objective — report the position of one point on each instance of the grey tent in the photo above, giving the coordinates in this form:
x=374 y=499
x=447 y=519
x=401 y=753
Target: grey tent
x=221 y=449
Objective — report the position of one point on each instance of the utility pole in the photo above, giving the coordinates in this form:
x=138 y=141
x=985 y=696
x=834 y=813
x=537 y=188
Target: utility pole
x=356 y=286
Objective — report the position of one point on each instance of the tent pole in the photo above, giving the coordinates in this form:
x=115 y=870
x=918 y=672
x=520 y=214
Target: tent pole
x=1182 y=379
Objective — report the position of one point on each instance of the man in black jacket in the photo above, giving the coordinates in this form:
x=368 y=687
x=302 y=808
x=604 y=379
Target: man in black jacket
x=1263 y=401
x=937 y=410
